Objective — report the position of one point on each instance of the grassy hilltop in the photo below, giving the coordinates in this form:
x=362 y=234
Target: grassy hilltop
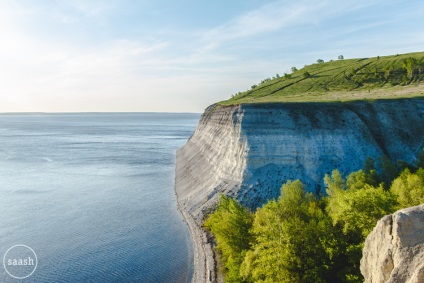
x=395 y=76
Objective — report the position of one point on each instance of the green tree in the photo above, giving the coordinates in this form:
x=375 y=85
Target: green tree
x=372 y=177
x=293 y=69
x=409 y=65
x=334 y=183
x=341 y=57
x=295 y=240
x=320 y=61
x=388 y=171
x=231 y=224
x=358 y=210
x=409 y=188
x=356 y=180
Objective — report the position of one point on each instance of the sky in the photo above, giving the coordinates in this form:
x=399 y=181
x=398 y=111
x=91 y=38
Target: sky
x=181 y=56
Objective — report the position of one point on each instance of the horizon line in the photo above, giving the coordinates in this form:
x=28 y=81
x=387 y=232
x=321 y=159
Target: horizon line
x=93 y=112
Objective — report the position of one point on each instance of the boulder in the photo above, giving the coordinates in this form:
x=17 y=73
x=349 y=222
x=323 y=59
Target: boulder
x=394 y=250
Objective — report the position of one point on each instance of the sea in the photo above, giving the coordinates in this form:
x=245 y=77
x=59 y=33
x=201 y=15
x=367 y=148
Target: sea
x=89 y=197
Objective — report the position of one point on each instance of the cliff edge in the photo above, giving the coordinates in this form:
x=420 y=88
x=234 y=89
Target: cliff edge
x=394 y=250
x=248 y=151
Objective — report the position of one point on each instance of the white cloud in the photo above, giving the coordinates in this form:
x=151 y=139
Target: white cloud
x=268 y=18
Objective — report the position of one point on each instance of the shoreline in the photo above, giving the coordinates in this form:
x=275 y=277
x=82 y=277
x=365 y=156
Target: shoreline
x=204 y=264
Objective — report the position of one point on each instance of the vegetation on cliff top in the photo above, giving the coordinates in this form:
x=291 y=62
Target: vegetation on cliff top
x=395 y=76
x=302 y=237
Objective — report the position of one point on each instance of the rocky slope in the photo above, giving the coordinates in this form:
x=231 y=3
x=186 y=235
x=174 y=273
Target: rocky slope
x=394 y=251
x=249 y=151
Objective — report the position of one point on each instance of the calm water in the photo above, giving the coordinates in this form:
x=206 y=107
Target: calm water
x=92 y=195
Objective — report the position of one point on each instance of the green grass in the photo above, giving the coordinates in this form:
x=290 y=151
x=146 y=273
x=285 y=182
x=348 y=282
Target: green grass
x=342 y=80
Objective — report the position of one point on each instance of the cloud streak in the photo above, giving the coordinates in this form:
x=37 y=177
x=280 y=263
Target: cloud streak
x=268 y=18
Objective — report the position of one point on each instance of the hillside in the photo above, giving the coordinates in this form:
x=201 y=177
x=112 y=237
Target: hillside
x=396 y=76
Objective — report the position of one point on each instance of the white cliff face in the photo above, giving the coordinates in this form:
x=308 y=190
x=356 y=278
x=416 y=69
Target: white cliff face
x=394 y=250
x=213 y=160
x=249 y=151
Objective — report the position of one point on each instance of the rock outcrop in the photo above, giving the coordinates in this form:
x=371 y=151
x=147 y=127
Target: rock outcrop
x=249 y=151
x=394 y=251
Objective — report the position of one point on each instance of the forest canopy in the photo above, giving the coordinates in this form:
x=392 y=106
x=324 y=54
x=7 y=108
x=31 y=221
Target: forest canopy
x=302 y=237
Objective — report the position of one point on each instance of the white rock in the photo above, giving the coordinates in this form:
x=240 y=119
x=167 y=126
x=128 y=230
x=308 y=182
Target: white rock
x=394 y=250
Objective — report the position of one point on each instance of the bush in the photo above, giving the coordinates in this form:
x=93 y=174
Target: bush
x=231 y=224
x=306 y=75
x=409 y=188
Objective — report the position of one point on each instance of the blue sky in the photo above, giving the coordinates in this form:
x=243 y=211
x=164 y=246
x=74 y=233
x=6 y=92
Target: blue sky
x=180 y=56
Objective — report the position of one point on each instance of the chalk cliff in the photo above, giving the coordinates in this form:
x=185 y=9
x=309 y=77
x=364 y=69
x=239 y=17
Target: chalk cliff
x=394 y=250
x=249 y=151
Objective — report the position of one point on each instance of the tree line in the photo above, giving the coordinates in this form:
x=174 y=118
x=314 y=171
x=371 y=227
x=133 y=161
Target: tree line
x=303 y=237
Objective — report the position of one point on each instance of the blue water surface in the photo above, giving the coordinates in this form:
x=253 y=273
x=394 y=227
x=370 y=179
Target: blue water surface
x=92 y=195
